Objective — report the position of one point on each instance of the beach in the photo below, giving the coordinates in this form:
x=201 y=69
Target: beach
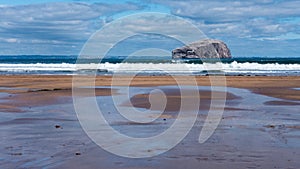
x=259 y=127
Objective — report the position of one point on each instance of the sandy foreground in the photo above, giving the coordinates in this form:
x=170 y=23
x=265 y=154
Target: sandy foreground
x=260 y=126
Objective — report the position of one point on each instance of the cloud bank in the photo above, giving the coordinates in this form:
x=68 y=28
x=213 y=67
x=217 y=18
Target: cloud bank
x=249 y=27
x=61 y=26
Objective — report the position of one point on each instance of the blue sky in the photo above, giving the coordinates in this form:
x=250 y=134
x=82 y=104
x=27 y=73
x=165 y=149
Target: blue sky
x=250 y=28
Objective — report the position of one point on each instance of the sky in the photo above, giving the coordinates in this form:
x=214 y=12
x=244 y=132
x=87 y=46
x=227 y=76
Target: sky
x=254 y=28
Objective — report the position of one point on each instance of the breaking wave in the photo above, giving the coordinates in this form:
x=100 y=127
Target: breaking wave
x=233 y=68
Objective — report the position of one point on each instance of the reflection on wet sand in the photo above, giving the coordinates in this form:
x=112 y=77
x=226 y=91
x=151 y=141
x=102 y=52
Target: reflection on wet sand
x=259 y=128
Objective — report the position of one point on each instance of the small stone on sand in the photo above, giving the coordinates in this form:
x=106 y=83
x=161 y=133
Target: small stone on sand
x=57 y=126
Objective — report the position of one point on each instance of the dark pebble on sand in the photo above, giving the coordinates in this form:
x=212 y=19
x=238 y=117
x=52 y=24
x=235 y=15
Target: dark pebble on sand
x=57 y=126
x=271 y=126
x=16 y=154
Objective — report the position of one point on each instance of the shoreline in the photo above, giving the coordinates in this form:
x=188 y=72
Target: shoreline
x=283 y=87
x=36 y=90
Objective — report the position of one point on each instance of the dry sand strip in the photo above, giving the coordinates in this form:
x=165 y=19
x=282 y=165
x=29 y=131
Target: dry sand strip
x=274 y=86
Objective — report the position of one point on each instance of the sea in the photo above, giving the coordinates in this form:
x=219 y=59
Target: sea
x=148 y=65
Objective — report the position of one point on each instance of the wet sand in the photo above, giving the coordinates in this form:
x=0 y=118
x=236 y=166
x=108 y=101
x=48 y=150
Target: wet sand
x=259 y=128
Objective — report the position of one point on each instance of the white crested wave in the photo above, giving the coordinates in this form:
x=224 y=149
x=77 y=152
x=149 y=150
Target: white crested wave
x=179 y=68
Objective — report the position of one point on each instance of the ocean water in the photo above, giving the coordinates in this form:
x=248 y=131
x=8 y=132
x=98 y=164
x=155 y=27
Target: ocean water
x=149 y=65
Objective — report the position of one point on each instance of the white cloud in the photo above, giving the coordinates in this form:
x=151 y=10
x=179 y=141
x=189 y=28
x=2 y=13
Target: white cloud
x=221 y=11
x=240 y=19
x=53 y=23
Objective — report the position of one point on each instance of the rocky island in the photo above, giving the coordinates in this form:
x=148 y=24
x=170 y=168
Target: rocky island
x=204 y=49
